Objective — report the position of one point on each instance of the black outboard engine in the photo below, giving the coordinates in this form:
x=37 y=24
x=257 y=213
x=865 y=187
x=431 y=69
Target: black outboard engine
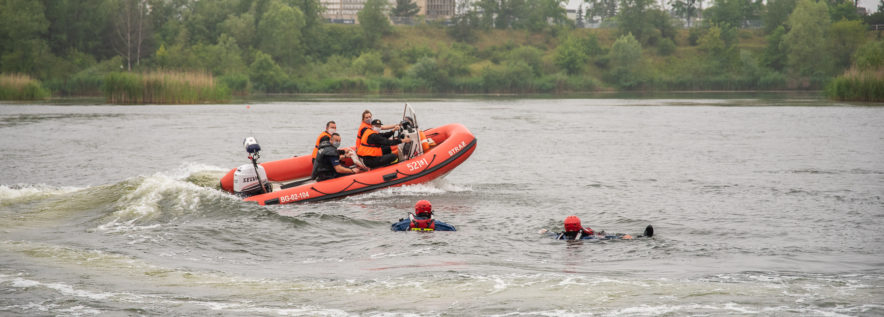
x=251 y=179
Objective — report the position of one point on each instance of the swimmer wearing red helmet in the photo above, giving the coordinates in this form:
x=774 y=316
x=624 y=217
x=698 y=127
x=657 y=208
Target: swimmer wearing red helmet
x=421 y=220
x=574 y=230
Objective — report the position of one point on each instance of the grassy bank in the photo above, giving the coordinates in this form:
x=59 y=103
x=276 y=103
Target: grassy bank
x=858 y=85
x=163 y=87
x=21 y=87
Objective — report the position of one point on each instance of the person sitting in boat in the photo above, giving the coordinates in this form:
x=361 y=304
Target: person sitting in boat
x=421 y=220
x=330 y=128
x=374 y=148
x=366 y=125
x=328 y=160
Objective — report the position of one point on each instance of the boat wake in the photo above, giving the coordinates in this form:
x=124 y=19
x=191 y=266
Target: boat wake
x=138 y=203
x=438 y=186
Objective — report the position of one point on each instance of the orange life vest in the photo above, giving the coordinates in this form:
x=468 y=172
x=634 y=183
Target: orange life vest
x=324 y=134
x=366 y=149
x=362 y=127
x=422 y=224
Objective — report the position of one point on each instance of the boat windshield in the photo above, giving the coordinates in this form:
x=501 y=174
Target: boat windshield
x=409 y=115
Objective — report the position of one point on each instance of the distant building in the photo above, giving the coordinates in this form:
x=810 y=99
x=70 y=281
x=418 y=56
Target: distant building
x=345 y=11
x=342 y=11
x=436 y=9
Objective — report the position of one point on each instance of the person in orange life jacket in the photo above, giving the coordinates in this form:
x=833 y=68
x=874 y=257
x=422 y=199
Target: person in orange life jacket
x=330 y=128
x=366 y=125
x=328 y=160
x=374 y=148
x=574 y=230
x=421 y=220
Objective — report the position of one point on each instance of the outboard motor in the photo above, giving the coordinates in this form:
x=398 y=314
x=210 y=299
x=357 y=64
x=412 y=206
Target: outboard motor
x=251 y=179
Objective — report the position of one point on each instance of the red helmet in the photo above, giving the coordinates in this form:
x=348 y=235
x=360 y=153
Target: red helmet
x=572 y=224
x=423 y=207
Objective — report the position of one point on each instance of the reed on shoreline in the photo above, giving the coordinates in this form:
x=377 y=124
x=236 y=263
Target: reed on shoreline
x=163 y=87
x=21 y=87
x=858 y=85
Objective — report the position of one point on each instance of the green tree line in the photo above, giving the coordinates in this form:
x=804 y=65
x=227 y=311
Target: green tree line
x=490 y=46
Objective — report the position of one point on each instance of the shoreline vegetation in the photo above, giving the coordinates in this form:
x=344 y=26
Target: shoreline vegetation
x=163 y=87
x=858 y=85
x=192 y=51
x=21 y=87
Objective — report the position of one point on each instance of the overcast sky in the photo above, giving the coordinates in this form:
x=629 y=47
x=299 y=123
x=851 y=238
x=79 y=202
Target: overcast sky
x=870 y=5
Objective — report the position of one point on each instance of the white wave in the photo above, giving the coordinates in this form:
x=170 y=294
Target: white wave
x=61 y=288
x=29 y=192
x=435 y=187
x=189 y=168
x=135 y=210
x=249 y=309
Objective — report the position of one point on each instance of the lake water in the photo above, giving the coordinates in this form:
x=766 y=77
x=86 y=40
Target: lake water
x=762 y=205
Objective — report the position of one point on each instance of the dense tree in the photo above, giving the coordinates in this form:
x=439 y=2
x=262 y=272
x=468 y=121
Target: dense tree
x=226 y=57
x=736 y=13
x=807 y=39
x=842 y=10
x=279 y=33
x=633 y=19
x=132 y=27
x=314 y=30
x=426 y=70
x=405 y=9
x=625 y=57
x=373 y=21
x=241 y=28
x=579 y=18
x=845 y=37
x=79 y=25
x=487 y=11
x=542 y=13
x=685 y=9
x=570 y=56
x=720 y=47
x=530 y=55
x=369 y=64
x=202 y=18
x=513 y=14
x=870 y=55
x=22 y=27
x=167 y=18
x=646 y=23
x=265 y=74
x=604 y=9
x=777 y=13
x=284 y=45
x=775 y=53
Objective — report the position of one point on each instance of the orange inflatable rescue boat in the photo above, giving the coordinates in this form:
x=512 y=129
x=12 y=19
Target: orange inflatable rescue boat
x=288 y=180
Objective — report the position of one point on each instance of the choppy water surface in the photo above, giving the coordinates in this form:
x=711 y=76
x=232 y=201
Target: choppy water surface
x=762 y=207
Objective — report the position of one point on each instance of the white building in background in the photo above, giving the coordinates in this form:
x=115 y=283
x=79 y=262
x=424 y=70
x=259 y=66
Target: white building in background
x=436 y=9
x=345 y=11
x=342 y=11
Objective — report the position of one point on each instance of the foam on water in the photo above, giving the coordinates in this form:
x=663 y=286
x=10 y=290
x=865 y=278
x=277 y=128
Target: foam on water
x=21 y=193
x=161 y=195
x=438 y=186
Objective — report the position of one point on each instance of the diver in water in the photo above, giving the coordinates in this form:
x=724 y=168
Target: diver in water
x=574 y=230
x=421 y=220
